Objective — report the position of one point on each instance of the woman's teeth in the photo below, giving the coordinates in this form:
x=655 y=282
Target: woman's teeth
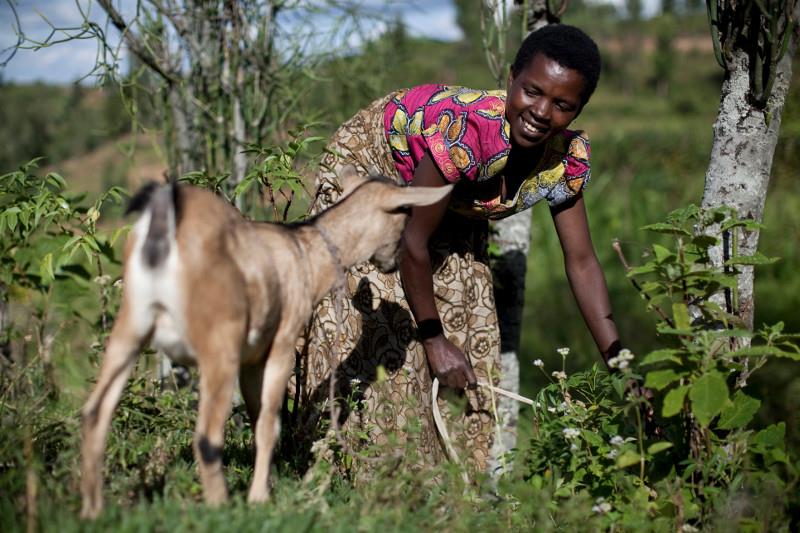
x=530 y=129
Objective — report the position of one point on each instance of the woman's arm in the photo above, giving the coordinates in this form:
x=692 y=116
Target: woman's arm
x=585 y=275
x=447 y=362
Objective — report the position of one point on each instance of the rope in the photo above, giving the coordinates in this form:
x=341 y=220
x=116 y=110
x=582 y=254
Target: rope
x=442 y=429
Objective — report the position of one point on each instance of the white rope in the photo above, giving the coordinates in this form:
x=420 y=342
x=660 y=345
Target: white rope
x=442 y=429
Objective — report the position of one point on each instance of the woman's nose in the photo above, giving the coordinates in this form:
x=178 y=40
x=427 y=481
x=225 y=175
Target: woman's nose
x=541 y=109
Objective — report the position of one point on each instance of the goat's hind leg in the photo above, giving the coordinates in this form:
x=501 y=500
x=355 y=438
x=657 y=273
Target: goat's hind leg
x=123 y=346
x=280 y=363
x=218 y=364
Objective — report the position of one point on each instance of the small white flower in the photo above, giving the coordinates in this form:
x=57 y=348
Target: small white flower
x=688 y=528
x=538 y=405
x=623 y=364
x=580 y=404
x=613 y=362
x=570 y=433
x=539 y=363
x=625 y=354
x=560 y=375
x=612 y=454
x=616 y=440
x=551 y=409
x=563 y=351
x=601 y=508
x=118 y=283
x=573 y=447
x=103 y=280
x=563 y=406
x=355 y=382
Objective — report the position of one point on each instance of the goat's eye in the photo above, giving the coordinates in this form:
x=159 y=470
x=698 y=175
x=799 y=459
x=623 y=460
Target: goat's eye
x=402 y=210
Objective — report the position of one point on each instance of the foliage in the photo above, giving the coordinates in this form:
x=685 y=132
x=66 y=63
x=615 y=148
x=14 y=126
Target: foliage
x=52 y=250
x=56 y=122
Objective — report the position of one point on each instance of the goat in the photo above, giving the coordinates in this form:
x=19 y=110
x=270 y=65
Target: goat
x=210 y=288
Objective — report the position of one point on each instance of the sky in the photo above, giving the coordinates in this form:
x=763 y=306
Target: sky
x=70 y=61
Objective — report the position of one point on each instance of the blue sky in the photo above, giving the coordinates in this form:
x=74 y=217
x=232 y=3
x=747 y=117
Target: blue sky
x=67 y=62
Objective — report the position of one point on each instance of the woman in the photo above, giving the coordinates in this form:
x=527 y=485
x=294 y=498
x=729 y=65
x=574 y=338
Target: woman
x=437 y=317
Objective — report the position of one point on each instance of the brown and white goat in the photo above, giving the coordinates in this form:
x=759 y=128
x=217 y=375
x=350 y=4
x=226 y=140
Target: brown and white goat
x=210 y=288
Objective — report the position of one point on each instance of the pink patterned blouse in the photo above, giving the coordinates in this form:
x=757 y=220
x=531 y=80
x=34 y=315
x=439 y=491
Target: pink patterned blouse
x=467 y=135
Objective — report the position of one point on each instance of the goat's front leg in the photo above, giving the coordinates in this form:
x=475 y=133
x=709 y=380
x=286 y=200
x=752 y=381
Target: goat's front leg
x=280 y=362
x=218 y=363
x=123 y=346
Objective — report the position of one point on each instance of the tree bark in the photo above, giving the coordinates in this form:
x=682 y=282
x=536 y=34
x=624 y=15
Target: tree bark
x=741 y=160
x=512 y=237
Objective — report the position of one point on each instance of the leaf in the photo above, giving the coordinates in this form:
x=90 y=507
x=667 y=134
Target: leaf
x=647 y=268
x=709 y=394
x=661 y=253
x=663 y=227
x=704 y=241
x=628 y=458
x=659 y=356
x=739 y=413
x=681 y=315
x=756 y=259
x=673 y=401
x=46 y=268
x=764 y=351
x=659 y=447
x=11 y=220
x=771 y=437
x=659 y=379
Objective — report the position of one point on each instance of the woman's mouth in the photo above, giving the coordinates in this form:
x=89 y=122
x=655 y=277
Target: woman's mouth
x=532 y=129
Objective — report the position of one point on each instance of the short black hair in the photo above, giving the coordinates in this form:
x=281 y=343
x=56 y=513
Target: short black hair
x=568 y=46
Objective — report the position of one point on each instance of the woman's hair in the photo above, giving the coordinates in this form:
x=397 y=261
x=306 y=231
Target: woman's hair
x=567 y=46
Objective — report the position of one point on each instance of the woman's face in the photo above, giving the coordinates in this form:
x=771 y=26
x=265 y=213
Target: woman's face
x=543 y=98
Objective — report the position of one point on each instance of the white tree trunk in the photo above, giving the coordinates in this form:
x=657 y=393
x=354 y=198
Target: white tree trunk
x=512 y=236
x=741 y=161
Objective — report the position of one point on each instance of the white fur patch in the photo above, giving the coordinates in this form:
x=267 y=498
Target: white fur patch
x=155 y=296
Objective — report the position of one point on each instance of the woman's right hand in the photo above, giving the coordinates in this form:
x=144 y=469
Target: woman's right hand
x=448 y=363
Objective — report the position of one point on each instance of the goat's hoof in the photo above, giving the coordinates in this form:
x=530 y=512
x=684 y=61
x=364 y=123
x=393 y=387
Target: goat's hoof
x=90 y=511
x=258 y=496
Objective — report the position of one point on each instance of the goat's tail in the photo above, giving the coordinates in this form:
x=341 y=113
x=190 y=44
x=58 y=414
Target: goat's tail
x=161 y=203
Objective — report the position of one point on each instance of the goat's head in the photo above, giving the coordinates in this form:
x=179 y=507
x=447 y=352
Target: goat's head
x=385 y=209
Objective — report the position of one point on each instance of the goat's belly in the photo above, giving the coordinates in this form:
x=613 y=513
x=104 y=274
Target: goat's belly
x=170 y=339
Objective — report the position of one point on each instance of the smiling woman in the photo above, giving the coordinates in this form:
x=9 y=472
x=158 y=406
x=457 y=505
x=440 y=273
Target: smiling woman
x=505 y=151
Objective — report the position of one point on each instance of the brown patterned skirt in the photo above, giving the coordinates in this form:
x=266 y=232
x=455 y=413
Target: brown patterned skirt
x=382 y=369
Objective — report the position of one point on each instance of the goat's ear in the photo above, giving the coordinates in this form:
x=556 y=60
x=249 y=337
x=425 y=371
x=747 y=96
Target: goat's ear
x=350 y=178
x=409 y=196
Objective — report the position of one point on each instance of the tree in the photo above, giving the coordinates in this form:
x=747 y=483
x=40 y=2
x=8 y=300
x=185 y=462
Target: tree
x=222 y=75
x=512 y=238
x=754 y=43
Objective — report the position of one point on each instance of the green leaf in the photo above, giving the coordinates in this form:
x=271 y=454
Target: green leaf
x=771 y=437
x=756 y=259
x=660 y=356
x=663 y=227
x=661 y=253
x=628 y=458
x=681 y=315
x=673 y=401
x=659 y=379
x=46 y=268
x=739 y=413
x=764 y=351
x=709 y=394
x=658 y=447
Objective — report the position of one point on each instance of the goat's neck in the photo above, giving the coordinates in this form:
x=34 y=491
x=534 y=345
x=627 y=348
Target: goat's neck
x=328 y=258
